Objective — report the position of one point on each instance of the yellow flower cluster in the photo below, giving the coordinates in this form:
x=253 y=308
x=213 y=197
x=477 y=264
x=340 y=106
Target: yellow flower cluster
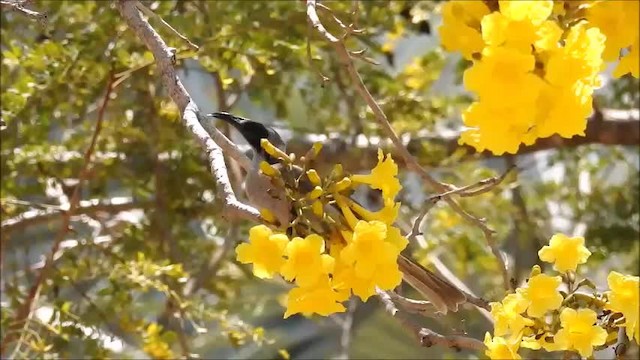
x=619 y=21
x=535 y=64
x=357 y=254
x=541 y=316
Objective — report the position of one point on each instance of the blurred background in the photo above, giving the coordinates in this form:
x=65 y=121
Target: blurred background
x=146 y=267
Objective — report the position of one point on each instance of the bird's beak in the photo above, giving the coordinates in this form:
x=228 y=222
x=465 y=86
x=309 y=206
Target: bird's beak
x=228 y=118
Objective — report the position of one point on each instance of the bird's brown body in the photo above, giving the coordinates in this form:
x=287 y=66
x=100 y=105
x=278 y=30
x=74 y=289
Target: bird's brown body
x=264 y=194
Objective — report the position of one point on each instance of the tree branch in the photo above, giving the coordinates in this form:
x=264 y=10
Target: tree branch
x=210 y=138
x=618 y=127
x=426 y=336
x=381 y=118
x=19 y=7
x=85 y=207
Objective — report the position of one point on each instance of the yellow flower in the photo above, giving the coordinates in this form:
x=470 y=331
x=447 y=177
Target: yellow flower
x=387 y=214
x=579 y=332
x=579 y=60
x=320 y=299
x=507 y=315
x=563 y=110
x=498 y=348
x=460 y=27
x=368 y=248
x=535 y=11
x=499 y=30
x=623 y=298
x=383 y=177
x=542 y=294
x=264 y=250
x=345 y=279
x=619 y=21
x=547 y=36
x=306 y=261
x=565 y=252
x=501 y=72
x=459 y=37
x=370 y=259
x=536 y=342
x=500 y=129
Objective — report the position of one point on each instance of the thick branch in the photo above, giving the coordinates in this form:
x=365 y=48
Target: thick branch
x=165 y=60
x=618 y=127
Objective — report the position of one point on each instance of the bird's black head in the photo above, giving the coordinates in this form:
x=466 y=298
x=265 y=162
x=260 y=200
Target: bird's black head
x=253 y=132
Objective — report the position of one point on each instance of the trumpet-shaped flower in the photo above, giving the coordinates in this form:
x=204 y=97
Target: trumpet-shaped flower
x=499 y=348
x=370 y=259
x=306 y=261
x=623 y=298
x=579 y=332
x=619 y=21
x=534 y=11
x=542 y=294
x=264 y=250
x=565 y=252
x=368 y=248
x=507 y=315
x=460 y=29
x=320 y=299
x=382 y=177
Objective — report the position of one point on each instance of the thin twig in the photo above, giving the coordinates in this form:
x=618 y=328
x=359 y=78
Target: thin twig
x=323 y=78
x=25 y=311
x=415 y=229
x=150 y=13
x=381 y=118
x=477 y=188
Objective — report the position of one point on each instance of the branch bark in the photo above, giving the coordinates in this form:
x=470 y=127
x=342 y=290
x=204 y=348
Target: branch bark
x=210 y=138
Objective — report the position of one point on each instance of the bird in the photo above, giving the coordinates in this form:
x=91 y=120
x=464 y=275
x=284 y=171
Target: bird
x=259 y=187
x=262 y=193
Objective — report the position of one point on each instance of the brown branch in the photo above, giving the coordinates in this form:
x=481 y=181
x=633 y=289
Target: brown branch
x=25 y=310
x=85 y=207
x=618 y=127
x=412 y=163
x=210 y=138
x=480 y=187
x=426 y=336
